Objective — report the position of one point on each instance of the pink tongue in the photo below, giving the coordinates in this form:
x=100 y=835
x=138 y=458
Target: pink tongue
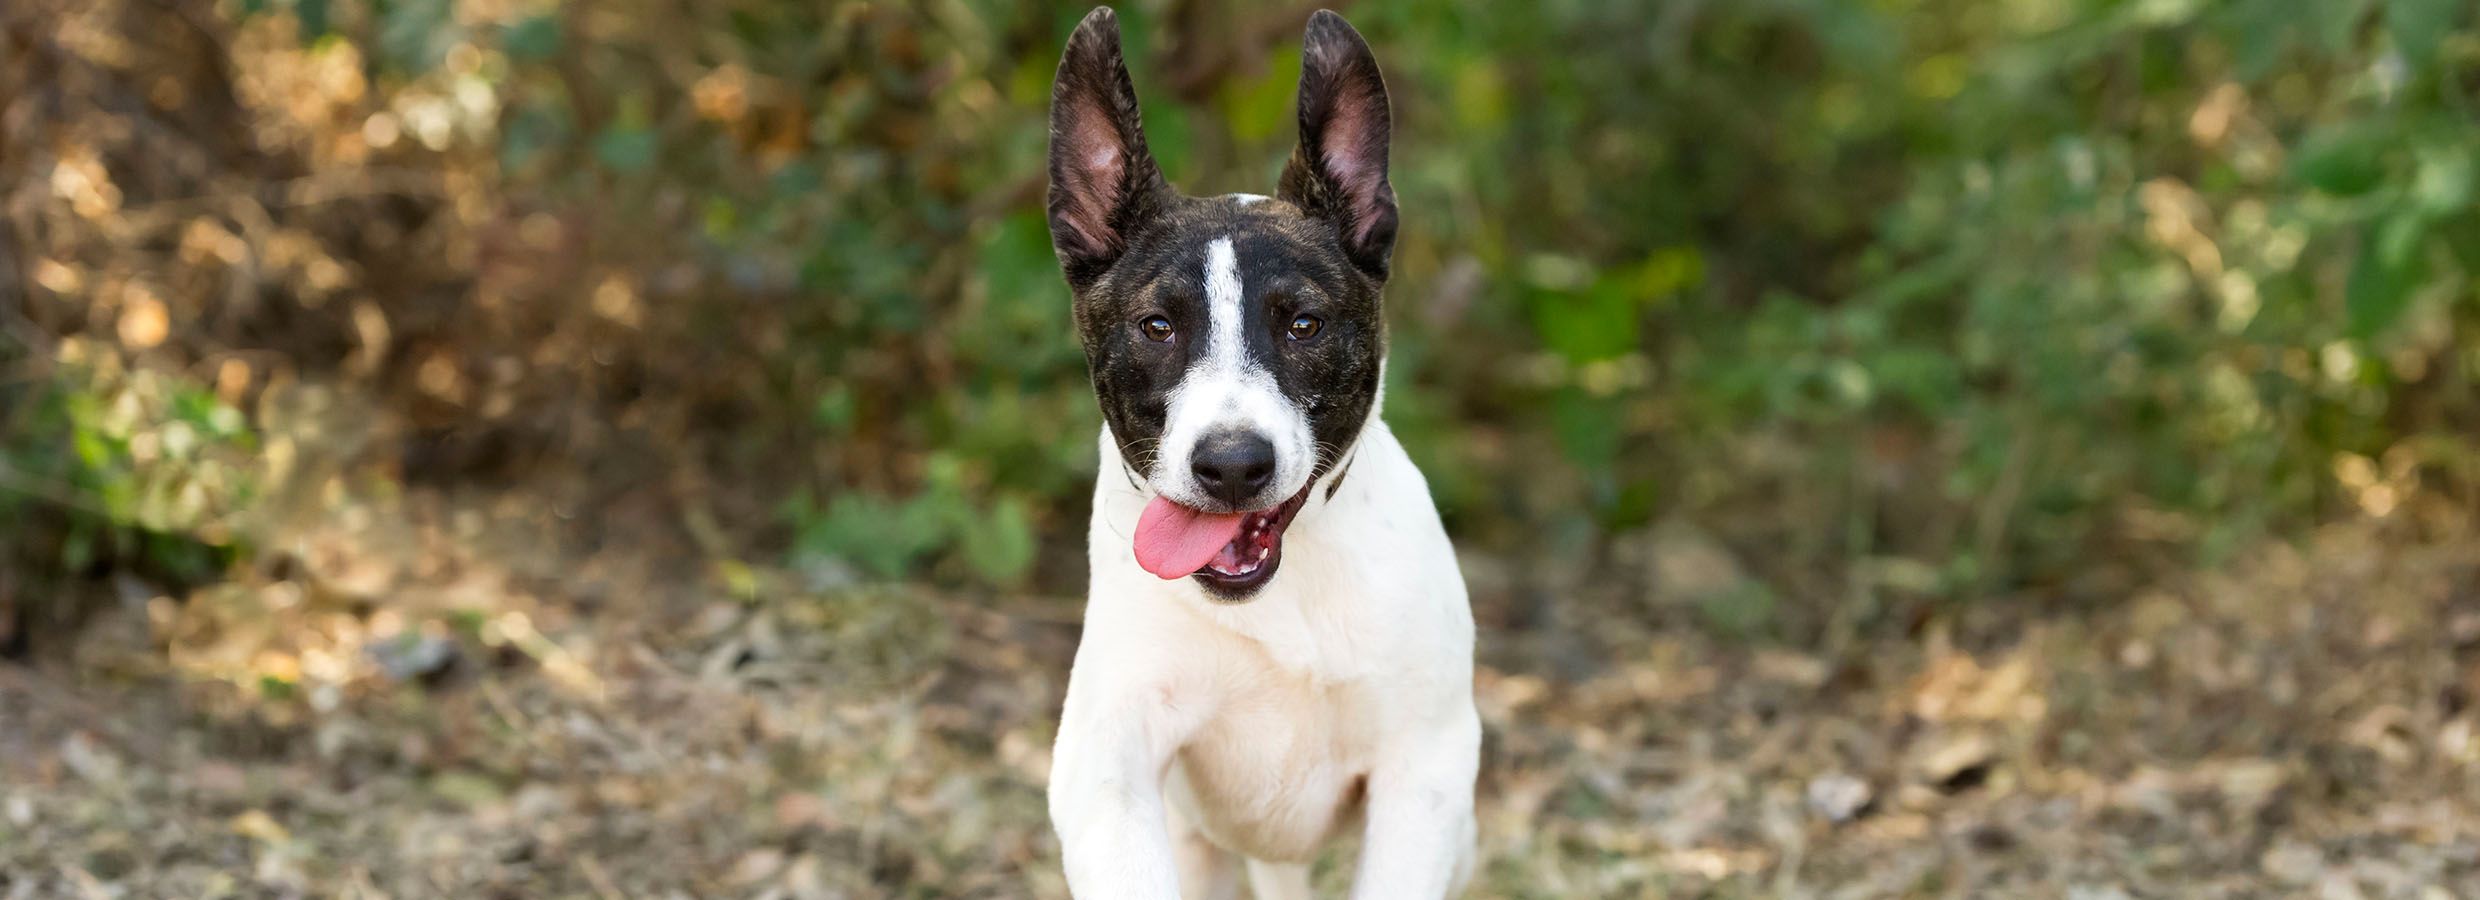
x=1174 y=541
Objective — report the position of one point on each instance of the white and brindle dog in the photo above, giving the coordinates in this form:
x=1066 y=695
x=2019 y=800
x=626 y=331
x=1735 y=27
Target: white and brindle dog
x=1277 y=646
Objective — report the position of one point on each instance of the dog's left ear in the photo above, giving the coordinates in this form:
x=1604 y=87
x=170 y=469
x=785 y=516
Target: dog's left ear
x=1104 y=184
x=1338 y=173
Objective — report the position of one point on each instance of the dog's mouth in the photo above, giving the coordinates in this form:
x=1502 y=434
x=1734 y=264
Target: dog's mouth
x=1230 y=553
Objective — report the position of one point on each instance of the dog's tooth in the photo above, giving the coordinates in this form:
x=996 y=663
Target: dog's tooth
x=1261 y=553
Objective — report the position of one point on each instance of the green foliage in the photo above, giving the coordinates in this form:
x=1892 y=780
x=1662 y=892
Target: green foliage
x=860 y=533
x=99 y=465
x=1941 y=286
x=2035 y=272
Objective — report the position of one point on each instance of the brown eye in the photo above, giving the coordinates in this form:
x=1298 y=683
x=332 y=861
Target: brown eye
x=1304 y=327
x=1156 y=329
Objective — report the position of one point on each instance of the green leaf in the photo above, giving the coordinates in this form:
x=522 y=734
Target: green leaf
x=2462 y=238
x=2390 y=267
x=312 y=14
x=1587 y=427
x=1596 y=323
x=1000 y=546
x=1257 y=110
x=2332 y=23
x=2260 y=38
x=1480 y=92
x=837 y=407
x=533 y=40
x=2268 y=30
x=2442 y=185
x=627 y=149
x=880 y=537
x=1585 y=315
x=414 y=35
x=2345 y=160
x=2419 y=26
x=275 y=687
x=532 y=131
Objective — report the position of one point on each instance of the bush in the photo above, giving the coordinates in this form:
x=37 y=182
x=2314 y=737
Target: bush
x=1925 y=300
x=104 y=469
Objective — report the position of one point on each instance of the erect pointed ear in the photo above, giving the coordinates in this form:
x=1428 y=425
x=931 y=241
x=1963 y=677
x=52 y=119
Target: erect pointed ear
x=1338 y=173
x=1103 y=182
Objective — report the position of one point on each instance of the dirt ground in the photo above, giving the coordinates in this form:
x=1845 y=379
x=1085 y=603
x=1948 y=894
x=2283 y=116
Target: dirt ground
x=411 y=715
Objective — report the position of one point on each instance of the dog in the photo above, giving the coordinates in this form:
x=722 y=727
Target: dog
x=1277 y=646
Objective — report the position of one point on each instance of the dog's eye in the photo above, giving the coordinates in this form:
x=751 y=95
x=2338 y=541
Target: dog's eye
x=1304 y=327
x=1156 y=329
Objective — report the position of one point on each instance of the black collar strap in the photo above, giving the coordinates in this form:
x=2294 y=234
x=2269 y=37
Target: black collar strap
x=1340 y=471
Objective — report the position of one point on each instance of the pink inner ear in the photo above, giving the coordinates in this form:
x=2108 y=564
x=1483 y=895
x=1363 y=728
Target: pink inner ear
x=1344 y=149
x=1343 y=139
x=1096 y=178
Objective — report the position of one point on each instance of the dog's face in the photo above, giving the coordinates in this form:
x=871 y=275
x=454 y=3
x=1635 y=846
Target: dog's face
x=1234 y=341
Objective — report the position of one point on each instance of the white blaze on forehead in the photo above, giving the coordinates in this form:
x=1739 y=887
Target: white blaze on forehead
x=1224 y=348
x=1223 y=390
x=1246 y=199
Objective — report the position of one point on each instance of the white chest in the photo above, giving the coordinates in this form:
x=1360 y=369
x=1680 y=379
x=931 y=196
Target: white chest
x=1281 y=767
x=1285 y=705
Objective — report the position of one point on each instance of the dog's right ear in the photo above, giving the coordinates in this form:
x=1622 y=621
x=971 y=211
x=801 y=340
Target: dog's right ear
x=1103 y=182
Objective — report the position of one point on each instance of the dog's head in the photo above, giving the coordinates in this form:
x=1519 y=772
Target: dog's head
x=1234 y=341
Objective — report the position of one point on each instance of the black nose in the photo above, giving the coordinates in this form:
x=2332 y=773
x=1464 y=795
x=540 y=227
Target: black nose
x=1233 y=466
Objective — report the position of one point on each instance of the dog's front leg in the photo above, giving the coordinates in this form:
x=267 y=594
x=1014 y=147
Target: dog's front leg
x=1106 y=793
x=1419 y=841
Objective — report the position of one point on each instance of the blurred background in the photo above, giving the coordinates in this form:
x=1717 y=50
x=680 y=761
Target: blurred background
x=1897 y=448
